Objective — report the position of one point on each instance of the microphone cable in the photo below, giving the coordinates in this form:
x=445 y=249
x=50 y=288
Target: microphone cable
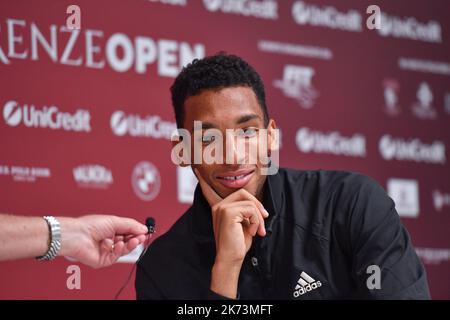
x=151 y=225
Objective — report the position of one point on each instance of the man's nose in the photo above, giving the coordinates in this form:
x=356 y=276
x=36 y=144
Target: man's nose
x=235 y=150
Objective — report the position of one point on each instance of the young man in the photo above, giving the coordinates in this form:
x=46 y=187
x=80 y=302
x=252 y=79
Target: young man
x=291 y=235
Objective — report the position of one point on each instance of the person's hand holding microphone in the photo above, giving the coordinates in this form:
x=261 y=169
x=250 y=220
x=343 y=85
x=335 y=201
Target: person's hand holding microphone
x=99 y=241
x=94 y=240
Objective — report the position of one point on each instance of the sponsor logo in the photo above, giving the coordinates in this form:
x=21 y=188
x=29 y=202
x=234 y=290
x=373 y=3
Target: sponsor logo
x=264 y=9
x=92 y=176
x=423 y=108
x=296 y=84
x=391 y=89
x=297 y=50
x=440 y=200
x=46 y=117
x=426 y=66
x=391 y=26
x=305 y=284
x=172 y=2
x=409 y=28
x=332 y=143
x=146 y=181
x=187 y=181
x=433 y=256
x=92 y=48
x=25 y=174
x=447 y=103
x=399 y=149
x=405 y=194
x=326 y=16
x=136 y=126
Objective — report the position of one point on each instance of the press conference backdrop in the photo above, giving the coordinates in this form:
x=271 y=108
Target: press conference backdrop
x=86 y=114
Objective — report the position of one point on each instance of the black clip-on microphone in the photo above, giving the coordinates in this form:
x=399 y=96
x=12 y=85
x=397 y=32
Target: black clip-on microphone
x=150 y=223
x=151 y=226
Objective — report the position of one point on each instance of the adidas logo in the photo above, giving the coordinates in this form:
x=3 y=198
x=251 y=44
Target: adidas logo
x=305 y=284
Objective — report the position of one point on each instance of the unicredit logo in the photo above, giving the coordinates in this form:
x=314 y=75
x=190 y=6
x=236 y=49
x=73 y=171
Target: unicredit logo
x=45 y=117
x=333 y=143
x=410 y=28
x=411 y=150
x=212 y=5
x=134 y=125
x=12 y=113
x=329 y=17
x=172 y=2
x=265 y=9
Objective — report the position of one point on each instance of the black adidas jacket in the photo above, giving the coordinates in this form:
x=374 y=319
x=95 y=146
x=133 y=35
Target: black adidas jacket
x=325 y=232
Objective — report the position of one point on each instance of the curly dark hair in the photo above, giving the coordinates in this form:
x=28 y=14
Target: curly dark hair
x=215 y=72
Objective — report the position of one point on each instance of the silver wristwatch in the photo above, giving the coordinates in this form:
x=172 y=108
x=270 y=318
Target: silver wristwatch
x=55 y=239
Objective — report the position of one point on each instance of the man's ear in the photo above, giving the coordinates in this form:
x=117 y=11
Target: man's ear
x=273 y=137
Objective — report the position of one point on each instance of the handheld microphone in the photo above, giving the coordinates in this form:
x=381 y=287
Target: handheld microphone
x=151 y=226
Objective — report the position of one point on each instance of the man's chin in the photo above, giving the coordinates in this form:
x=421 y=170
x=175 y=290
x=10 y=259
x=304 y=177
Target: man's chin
x=227 y=193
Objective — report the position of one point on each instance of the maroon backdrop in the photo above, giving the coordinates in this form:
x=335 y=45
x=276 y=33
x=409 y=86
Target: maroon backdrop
x=86 y=114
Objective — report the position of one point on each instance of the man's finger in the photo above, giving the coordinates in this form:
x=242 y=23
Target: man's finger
x=106 y=245
x=242 y=195
x=132 y=244
x=120 y=238
x=118 y=248
x=211 y=196
x=249 y=203
x=252 y=214
x=127 y=226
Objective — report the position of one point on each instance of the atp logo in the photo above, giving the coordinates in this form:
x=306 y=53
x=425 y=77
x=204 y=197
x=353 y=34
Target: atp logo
x=297 y=84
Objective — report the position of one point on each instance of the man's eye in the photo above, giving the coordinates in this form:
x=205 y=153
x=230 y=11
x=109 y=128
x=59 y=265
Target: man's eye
x=208 y=139
x=248 y=133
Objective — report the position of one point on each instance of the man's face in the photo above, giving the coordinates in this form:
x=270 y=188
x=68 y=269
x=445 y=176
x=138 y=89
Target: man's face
x=230 y=108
